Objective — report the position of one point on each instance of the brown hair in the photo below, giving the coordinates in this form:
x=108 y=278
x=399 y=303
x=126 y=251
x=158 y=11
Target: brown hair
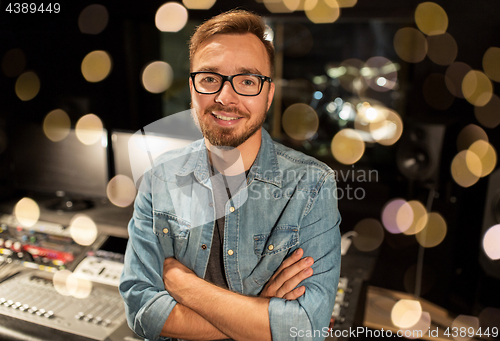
x=235 y=21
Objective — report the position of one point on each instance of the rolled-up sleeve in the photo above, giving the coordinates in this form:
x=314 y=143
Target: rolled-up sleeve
x=147 y=303
x=308 y=317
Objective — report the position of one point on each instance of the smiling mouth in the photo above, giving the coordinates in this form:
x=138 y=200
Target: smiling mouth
x=225 y=118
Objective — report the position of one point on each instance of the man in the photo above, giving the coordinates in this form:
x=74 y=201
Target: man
x=220 y=227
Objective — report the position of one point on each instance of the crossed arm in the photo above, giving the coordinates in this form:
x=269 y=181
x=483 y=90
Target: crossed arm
x=207 y=312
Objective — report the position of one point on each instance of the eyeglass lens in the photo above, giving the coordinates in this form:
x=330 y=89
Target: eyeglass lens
x=242 y=84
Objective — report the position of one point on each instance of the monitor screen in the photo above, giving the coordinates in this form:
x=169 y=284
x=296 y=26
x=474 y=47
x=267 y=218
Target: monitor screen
x=77 y=169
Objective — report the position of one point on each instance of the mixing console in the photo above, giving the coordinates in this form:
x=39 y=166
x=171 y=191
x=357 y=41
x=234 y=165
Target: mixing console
x=31 y=296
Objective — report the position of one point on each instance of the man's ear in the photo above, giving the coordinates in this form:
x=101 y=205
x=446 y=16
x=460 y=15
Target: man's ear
x=270 y=95
x=191 y=85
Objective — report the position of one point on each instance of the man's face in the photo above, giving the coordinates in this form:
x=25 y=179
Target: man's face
x=228 y=55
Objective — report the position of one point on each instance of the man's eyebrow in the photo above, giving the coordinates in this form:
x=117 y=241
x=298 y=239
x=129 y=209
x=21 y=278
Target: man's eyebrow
x=209 y=69
x=251 y=70
x=240 y=70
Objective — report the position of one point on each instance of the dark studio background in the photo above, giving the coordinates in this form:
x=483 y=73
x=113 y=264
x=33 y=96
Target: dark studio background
x=54 y=48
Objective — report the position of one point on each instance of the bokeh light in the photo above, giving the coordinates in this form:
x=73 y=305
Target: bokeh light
x=60 y=281
x=292 y=5
x=491 y=63
x=487 y=157
x=281 y=6
x=477 y=88
x=461 y=168
x=83 y=230
x=121 y=190
x=431 y=18
x=470 y=134
x=489 y=317
x=434 y=232
x=13 y=62
x=474 y=163
x=89 y=129
x=300 y=121
x=422 y=326
x=348 y=73
x=93 y=19
x=27 y=86
x=370 y=235
x=368 y=113
x=27 y=212
x=442 y=49
x=96 y=66
x=397 y=216
x=78 y=286
x=322 y=11
x=347 y=146
x=419 y=217
x=365 y=118
x=171 y=17
x=347 y=3
x=157 y=77
x=410 y=45
x=454 y=77
x=198 y=4
x=406 y=313
x=436 y=93
x=380 y=73
x=491 y=242
x=388 y=131
x=56 y=125
x=489 y=115
x=467 y=325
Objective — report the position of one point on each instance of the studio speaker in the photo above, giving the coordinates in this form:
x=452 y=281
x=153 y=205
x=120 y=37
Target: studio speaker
x=491 y=218
x=419 y=152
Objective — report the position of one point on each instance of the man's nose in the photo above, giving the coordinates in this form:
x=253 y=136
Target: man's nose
x=227 y=95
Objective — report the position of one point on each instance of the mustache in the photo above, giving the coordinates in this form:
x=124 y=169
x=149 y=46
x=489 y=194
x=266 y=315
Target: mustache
x=220 y=107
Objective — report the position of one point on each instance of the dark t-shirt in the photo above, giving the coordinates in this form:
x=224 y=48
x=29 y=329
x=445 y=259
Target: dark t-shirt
x=221 y=188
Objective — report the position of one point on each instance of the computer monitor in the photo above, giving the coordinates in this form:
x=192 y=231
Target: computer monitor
x=67 y=168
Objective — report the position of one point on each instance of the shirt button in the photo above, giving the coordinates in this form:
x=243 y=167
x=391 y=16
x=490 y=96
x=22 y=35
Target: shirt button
x=165 y=230
x=204 y=247
x=232 y=209
x=270 y=247
x=230 y=252
x=211 y=205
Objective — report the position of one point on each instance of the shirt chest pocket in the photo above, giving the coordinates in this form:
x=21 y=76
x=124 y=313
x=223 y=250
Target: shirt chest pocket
x=272 y=249
x=172 y=233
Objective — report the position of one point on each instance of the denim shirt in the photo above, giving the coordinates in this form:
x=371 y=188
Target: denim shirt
x=288 y=202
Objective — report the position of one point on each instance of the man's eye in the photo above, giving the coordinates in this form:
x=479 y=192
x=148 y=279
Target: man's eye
x=209 y=80
x=249 y=82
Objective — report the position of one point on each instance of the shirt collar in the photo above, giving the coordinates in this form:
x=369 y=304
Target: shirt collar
x=265 y=167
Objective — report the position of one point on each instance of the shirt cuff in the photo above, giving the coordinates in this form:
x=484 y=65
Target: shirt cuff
x=282 y=323
x=152 y=316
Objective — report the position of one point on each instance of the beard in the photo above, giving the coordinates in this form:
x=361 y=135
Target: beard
x=222 y=136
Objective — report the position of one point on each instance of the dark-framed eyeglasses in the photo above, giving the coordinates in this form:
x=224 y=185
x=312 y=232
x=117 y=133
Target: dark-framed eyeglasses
x=244 y=84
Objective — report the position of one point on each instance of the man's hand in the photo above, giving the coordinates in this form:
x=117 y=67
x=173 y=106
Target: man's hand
x=291 y=272
x=177 y=277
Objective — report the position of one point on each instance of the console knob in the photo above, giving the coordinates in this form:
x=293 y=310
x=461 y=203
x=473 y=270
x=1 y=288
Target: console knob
x=16 y=246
